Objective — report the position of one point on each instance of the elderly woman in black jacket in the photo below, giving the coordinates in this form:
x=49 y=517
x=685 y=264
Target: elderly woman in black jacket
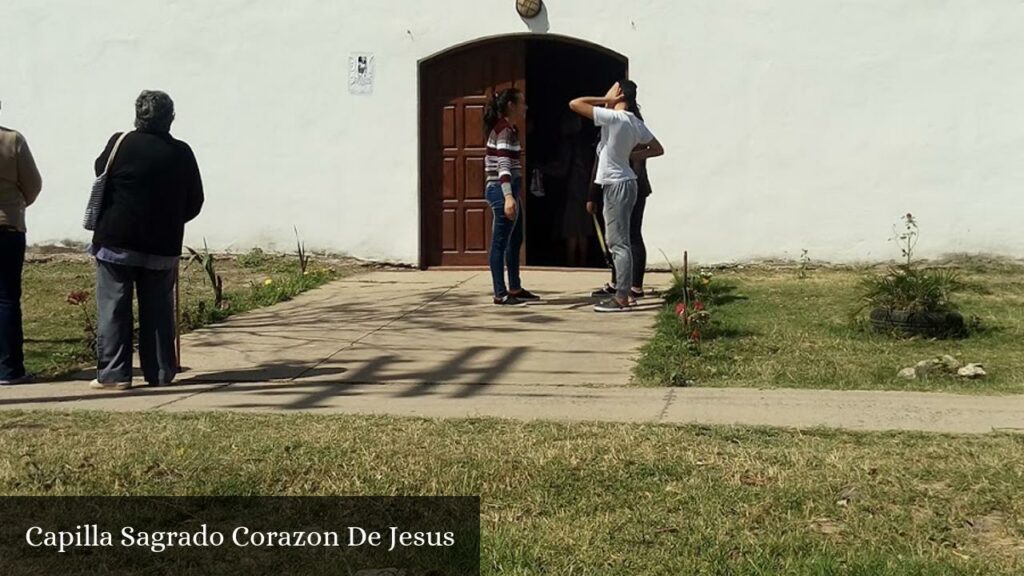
x=153 y=189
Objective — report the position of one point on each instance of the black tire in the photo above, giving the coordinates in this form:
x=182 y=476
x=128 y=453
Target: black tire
x=930 y=324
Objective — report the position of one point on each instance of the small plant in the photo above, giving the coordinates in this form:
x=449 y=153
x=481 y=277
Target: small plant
x=207 y=261
x=254 y=258
x=695 y=318
x=676 y=292
x=909 y=299
x=700 y=285
x=908 y=287
x=80 y=299
x=907 y=239
x=805 y=264
x=199 y=314
x=301 y=251
x=689 y=295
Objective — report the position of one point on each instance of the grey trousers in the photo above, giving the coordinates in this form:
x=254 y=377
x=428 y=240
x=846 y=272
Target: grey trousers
x=114 y=287
x=619 y=199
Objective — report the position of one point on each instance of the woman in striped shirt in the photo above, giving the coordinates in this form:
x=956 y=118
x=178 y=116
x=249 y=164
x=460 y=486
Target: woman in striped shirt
x=504 y=171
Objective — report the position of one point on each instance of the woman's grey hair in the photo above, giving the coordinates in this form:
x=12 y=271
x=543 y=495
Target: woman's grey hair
x=154 y=111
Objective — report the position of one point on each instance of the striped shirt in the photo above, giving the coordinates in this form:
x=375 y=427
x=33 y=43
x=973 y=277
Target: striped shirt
x=502 y=163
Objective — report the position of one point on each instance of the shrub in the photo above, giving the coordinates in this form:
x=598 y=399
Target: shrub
x=254 y=258
x=912 y=289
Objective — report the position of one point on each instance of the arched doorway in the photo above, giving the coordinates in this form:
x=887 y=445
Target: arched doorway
x=455 y=221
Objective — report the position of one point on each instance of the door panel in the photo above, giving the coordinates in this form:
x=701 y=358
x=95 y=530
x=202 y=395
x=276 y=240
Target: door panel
x=473 y=124
x=456 y=220
x=449 y=232
x=475 y=178
x=448 y=181
x=476 y=237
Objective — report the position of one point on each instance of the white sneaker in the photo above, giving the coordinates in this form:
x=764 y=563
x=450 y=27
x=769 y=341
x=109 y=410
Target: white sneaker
x=120 y=386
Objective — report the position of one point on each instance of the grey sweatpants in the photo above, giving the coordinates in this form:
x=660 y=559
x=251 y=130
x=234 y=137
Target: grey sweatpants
x=114 y=287
x=619 y=199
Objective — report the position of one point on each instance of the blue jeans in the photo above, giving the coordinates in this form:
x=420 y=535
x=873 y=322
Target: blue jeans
x=12 y=340
x=506 y=239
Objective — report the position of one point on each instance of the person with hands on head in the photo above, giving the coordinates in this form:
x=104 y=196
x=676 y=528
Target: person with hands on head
x=624 y=138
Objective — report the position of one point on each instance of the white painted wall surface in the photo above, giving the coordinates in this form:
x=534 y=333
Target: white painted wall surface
x=789 y=124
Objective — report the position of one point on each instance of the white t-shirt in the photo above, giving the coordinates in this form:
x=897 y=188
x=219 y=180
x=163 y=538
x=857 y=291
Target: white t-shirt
x=621 y=132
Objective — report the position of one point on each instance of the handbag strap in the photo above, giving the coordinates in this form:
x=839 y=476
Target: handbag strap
x=113 y=152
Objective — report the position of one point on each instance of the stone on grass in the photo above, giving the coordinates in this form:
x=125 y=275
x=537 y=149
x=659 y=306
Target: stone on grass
x=972 y=371
x=926 y=368
x=937 y=366
x=908 y=374
x=942 y=366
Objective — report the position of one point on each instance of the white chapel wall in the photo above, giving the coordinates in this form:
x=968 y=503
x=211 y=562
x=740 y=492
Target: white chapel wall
x=798 y=124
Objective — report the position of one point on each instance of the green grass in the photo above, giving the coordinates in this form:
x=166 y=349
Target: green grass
x=55 y=337
x=581 y=499
x=775 y=330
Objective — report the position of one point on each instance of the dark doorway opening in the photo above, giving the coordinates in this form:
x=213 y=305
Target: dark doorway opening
x=562 y=146
x=455 y=85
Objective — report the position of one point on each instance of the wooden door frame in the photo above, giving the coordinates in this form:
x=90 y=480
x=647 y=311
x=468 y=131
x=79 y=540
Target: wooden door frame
x=423 y=110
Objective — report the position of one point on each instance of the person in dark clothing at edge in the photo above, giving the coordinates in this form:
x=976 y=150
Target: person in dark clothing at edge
x=636 y=238
x=153 y=189
x=20 y=184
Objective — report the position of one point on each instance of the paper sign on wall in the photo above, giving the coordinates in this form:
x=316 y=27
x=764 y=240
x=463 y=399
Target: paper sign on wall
x=361 y=72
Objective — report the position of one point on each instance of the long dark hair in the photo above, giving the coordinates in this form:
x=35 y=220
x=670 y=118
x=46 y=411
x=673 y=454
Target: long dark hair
x=629 y=93
x=498 y=106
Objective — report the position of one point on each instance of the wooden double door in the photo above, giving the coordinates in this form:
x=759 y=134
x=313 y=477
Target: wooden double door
x=456 y=220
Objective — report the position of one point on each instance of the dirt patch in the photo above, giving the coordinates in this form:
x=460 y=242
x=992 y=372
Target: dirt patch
x=994 y=532
x=826 y=526
x=940 y=487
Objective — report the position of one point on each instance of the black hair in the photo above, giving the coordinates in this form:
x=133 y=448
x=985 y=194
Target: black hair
x=498 y=106
x=629 y=93
x=154 y=111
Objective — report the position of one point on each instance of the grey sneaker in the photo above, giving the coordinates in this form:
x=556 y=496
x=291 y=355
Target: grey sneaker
x=119 y=386
x=611 y=305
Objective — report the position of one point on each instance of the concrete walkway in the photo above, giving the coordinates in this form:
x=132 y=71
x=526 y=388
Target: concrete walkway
x=431 y=344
